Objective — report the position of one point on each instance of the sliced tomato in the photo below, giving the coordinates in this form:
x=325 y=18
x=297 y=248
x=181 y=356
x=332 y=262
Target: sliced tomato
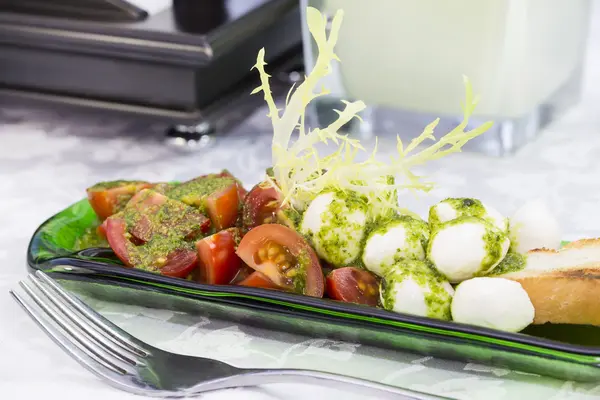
x=156 y=233
x=116 y=235
x=261 y=205
x=101 y=229
x=259 y=280
x=218 y=262
x=284 y=257
x=107 y=198
x=151 y=212
x=176 y=262
x=215 y=194
x=352 y=285
x=223 y=207
x=241 y=191
x=180 y=263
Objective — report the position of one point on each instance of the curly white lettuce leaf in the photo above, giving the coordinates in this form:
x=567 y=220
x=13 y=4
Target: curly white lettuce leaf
x=301 y=173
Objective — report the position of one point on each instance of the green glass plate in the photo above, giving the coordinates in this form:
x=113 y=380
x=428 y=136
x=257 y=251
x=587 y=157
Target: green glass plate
x=569 y=352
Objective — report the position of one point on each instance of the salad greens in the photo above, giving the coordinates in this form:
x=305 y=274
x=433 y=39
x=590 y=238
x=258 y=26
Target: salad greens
x=301 y=173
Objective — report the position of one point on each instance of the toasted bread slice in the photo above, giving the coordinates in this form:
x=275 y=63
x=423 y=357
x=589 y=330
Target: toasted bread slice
x=563 y=285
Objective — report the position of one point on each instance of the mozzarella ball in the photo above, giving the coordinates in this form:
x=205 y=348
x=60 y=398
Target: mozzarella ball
x=493 y=303
x=453 y=208
x=402 y=237
x=466 y=247
x=413 y=287
x=534 y=227
x=335 y=224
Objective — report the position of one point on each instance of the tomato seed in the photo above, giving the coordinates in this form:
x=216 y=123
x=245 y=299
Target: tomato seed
x=273 y=251
x=280 y=258
x=362 y=286
x=291 y=273
x=262 y=253
x=372 y=290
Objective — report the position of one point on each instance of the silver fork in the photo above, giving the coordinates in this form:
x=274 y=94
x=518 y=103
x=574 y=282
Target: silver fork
x=134 y=366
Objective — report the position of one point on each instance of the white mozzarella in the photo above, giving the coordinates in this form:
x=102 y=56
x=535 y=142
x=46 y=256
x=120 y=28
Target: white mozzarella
x=402 y=238
x=533 y=226
x=493 y=303
x=466 y=246
x=413 y=288
x=452 y=208
x=336 y=227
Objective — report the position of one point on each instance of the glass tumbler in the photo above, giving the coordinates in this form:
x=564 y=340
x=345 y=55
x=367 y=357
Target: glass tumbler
x=405 y=59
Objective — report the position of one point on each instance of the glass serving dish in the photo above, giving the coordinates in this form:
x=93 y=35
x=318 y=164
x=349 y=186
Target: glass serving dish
x=568 y=352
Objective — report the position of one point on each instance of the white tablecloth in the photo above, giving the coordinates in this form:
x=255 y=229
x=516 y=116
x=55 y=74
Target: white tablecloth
x=48 y=159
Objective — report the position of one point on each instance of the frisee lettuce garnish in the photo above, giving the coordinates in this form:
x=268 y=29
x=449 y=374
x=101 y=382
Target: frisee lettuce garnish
x=301 y=173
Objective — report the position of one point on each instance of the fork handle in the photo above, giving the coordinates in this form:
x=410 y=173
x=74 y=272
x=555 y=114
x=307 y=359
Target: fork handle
x=256 y=377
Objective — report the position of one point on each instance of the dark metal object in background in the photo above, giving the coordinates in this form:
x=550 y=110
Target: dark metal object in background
x=177 y=66
x=96 y=10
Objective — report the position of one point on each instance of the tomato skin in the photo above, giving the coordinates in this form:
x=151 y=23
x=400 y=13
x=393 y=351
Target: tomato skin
x=180 y=263
x=241 y=191
x=258 y=237
x=223 y=207
x=261 y=205
x=258 y=280
x=107 y=201
x=116 y=230
x=217 y=261
x=101 y=230
x=352 y=285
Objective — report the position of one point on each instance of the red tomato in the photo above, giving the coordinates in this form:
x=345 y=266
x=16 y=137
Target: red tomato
x=259 y=280
x=241 y=191
x=284 y=257
x=156 y=213
x=180 y=263
x=352 y=285
x=217 y=259
x=101 y=229
x=261 y=205
x=223 y=207
x=116 y=234
x=107 y=198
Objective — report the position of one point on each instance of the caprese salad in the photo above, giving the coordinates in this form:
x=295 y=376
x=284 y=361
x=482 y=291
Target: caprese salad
x=327 y=225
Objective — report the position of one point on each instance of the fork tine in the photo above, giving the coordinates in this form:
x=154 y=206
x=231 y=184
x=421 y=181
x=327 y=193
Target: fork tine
x=103 y=324
x=105 y=341
x=89 y=360
x=78 y=336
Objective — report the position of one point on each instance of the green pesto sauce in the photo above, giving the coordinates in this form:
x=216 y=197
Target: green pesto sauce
x=89 y=239
x=289 y=217
x=417 y=234
x=437 y=298
x=171 y=224
x=337 y=248
x=194 y=192
x=464 y=206
x=299 y=281
x=493 y=247
x=113 y=184
x=513 y=262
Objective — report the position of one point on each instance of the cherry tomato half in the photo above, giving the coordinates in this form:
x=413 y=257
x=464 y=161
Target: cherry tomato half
x=217 y=259
x=258 y=280
x=223 y=206
x=107 y=198
x=285 y=257
x=261 y=205
x=157 y=234
x=352 y=285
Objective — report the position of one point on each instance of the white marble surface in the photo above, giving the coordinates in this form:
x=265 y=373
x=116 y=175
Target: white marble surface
x=48 y=159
